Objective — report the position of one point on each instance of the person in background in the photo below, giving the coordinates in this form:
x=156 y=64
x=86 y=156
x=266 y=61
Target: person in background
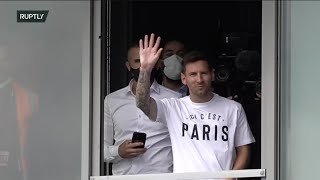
x=170 y=62
x=18 y=106
x=121 y=119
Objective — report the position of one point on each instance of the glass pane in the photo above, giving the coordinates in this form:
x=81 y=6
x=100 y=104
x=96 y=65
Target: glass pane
x=41 y=90
x=300 y=63
x=221 y=29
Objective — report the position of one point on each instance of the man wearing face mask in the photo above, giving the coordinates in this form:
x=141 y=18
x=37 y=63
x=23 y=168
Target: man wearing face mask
x=121 y=119
x=172 y=75
x=170 y=62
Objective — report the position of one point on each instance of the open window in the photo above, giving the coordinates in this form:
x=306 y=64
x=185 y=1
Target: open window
x=222 y=29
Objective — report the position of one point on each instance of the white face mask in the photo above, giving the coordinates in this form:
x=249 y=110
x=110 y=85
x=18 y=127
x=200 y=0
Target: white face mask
x=173 y=67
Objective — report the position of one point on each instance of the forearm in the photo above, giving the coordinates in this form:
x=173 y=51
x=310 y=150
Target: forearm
x=143 y=91
x=149 y=55
x=242 y=158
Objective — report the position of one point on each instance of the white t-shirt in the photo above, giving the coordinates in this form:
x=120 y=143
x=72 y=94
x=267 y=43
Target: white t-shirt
x=204 y=135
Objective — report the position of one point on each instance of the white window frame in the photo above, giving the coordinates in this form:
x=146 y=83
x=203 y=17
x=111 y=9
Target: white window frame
x=189 y=176
x=96 y=90
x=269 y=114
x=87 y=78
x=269 y=127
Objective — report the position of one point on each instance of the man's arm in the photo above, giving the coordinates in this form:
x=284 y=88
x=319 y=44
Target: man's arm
x=242 y=157
x=243 y=139
x=149 y=55
x=110 y=151
x=114 y=153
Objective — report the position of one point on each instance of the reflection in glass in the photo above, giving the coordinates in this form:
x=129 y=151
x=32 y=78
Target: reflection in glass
x=41 y=90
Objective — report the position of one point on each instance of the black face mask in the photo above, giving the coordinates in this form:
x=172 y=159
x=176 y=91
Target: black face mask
x=135 y=74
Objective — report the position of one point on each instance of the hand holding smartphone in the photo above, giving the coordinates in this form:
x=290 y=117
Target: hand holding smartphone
x=139 y=137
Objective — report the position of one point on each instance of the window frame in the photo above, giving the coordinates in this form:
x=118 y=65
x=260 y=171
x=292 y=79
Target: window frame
x=269 y=105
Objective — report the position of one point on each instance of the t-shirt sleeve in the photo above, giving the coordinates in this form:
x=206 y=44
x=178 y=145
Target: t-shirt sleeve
x=243 y=134
x=162 y=105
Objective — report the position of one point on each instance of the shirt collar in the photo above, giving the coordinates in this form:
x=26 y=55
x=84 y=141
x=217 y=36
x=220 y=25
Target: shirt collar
x=154 y=87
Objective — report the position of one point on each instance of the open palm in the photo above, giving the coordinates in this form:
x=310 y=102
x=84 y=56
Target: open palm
x=149 y=51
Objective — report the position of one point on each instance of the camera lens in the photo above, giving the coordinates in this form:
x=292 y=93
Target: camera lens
x=223 y=75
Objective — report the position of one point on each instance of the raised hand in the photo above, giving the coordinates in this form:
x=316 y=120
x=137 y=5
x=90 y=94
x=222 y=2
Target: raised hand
x=149 y=52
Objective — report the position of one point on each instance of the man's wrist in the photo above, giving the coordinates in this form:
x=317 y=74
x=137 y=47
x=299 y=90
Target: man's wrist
x=145 y=69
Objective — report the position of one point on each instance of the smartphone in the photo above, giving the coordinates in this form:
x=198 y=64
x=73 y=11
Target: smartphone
x=139 y=137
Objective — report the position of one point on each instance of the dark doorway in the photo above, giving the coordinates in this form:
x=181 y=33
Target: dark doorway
x=216 y=27
x=221 y=29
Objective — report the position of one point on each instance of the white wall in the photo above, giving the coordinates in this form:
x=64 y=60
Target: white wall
x=300 y=91
x=47 y=58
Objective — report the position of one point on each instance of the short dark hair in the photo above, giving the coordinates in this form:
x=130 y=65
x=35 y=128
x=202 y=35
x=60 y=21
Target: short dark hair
x=130 y=46
x=133 y=45
x=194 y=56
x=167 y=41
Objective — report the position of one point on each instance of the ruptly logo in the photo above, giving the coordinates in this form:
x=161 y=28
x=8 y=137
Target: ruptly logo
x=32 y=16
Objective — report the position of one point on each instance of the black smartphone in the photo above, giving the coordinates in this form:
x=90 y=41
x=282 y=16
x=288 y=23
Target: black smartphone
x=139 y=137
